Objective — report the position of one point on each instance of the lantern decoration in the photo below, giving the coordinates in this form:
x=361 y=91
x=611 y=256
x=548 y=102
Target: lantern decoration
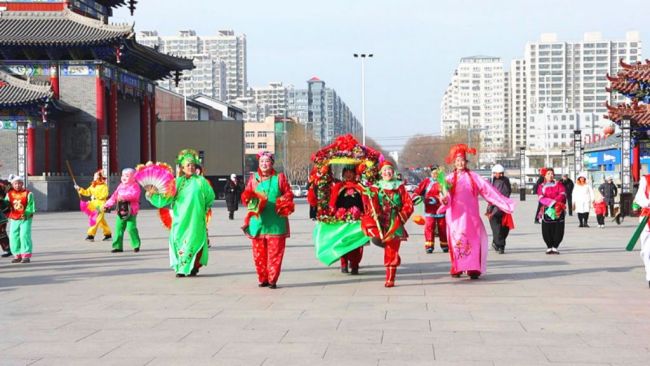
x=608 y=130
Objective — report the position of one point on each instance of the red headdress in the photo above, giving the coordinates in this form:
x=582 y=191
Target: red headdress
x=386 y=163
x=543 y=171
x=459 y=150
x=100 y=177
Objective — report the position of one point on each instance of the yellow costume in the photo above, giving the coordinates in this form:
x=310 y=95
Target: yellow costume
x=98 y=193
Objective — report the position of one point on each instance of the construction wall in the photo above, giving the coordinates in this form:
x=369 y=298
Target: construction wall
x=222 y=144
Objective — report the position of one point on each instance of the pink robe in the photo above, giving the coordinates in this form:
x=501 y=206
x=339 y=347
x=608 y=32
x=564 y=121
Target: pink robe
x=126 y=192
x=468 y=240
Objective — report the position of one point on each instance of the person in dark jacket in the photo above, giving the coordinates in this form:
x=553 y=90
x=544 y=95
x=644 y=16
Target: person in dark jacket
x=540 y=181
x=233 y=192
x=568 y=187
x=500 y=227
x=609 y=191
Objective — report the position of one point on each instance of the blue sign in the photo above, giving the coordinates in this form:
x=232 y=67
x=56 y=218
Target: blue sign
x=609 y=158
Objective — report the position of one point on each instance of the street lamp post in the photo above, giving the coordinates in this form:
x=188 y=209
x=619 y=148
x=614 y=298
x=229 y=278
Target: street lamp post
x=363 y=57
x=577 y=153
x=21 y=142
x=626 y=176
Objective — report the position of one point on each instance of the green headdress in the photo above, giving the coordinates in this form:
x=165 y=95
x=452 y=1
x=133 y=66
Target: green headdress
x=188 y=155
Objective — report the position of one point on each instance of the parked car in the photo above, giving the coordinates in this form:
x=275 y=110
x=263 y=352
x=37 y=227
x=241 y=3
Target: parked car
x=296 y=190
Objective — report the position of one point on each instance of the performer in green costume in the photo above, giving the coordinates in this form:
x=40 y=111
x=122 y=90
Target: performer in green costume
x=188 y=240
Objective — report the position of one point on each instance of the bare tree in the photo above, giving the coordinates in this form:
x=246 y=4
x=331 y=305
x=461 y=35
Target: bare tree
x=423 y=150
x=300 y=146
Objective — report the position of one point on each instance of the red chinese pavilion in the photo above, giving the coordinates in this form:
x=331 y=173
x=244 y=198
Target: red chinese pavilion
x=76 y=78
x=633 y=81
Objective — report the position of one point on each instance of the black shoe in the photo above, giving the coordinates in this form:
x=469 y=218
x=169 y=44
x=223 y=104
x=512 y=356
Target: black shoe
x=344 y=269
x=90 y=238
x=494 y=246
x=501 y=250
x=455 y=275
x=581 y=225
x=354 y=271
x=445 y=250
x=263 y=284
x=6 y=254
x=429 y=250
x=179 y=275
x=586 y=225
x=117 y=251
x=16 y=260
x=273 y=286
x=194 y=272
x=107 y=238
x=136 y=250
x=474 y=276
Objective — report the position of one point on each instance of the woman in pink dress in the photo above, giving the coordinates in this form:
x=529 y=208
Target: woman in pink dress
x=468 y=240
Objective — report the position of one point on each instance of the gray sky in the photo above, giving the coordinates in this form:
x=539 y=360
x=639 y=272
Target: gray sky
x=417 y=43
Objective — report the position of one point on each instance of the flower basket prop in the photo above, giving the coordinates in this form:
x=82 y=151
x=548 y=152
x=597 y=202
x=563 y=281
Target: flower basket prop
x=339 y=230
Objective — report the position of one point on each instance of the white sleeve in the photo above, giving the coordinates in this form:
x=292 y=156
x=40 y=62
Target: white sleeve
x=640 y=197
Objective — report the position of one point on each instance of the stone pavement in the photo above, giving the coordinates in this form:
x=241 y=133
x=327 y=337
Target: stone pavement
x=78 y=304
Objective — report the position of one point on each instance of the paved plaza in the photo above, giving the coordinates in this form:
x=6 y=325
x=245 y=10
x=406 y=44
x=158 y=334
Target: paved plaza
x=78 y=304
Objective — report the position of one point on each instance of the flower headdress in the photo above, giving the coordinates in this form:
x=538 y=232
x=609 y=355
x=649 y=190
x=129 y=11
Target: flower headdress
x=188 y=156
x=459 y=150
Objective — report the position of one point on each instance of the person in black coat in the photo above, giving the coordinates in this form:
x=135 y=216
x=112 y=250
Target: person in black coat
x=609 y=191
x=568 y=187
x=233 y=193
x=540 y=180
x=494 y=214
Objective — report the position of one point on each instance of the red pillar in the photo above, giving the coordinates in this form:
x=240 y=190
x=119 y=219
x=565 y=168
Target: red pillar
x=112 y=109
x=100 y=113
x=54 y=80
x=46 y=149
x=152 y=127
x=144 y=129
x=31 y=147
x=59 y=147
x=636 y=162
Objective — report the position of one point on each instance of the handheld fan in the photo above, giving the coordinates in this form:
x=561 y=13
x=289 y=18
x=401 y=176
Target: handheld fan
x=160 y=176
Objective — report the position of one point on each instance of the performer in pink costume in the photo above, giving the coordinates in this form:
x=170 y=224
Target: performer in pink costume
x=468 y=240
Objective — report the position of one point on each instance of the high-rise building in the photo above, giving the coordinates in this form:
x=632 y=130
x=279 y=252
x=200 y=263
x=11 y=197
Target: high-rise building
x=475 y=101
x=565 y=87
x=274 y=96
x=517 y=103
x=221 y=71
x=321 y=110
x=231 y=48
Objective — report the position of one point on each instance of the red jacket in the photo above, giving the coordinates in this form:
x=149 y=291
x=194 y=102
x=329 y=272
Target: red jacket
x=600 y=207
x=429 y=189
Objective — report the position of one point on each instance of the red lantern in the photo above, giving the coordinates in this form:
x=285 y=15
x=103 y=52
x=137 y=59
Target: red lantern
x=608 y=130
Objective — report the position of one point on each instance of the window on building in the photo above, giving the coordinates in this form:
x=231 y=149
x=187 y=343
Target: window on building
x=261 y=145
x=250 y=145
x=261 y=133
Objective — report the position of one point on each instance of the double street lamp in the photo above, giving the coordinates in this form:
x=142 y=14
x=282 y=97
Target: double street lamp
x=363 y=57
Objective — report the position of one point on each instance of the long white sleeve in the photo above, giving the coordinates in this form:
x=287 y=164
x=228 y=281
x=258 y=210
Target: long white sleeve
x=640 y=197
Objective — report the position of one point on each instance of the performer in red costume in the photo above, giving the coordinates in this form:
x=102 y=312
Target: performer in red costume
x=393 y=206
x=429 y=190
x=269 y=201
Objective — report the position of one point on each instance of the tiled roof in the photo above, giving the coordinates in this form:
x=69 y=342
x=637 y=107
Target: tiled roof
x=636 y=72
x=15 y=92
x=58 y=28
x=32 y=35
x=639 y=114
